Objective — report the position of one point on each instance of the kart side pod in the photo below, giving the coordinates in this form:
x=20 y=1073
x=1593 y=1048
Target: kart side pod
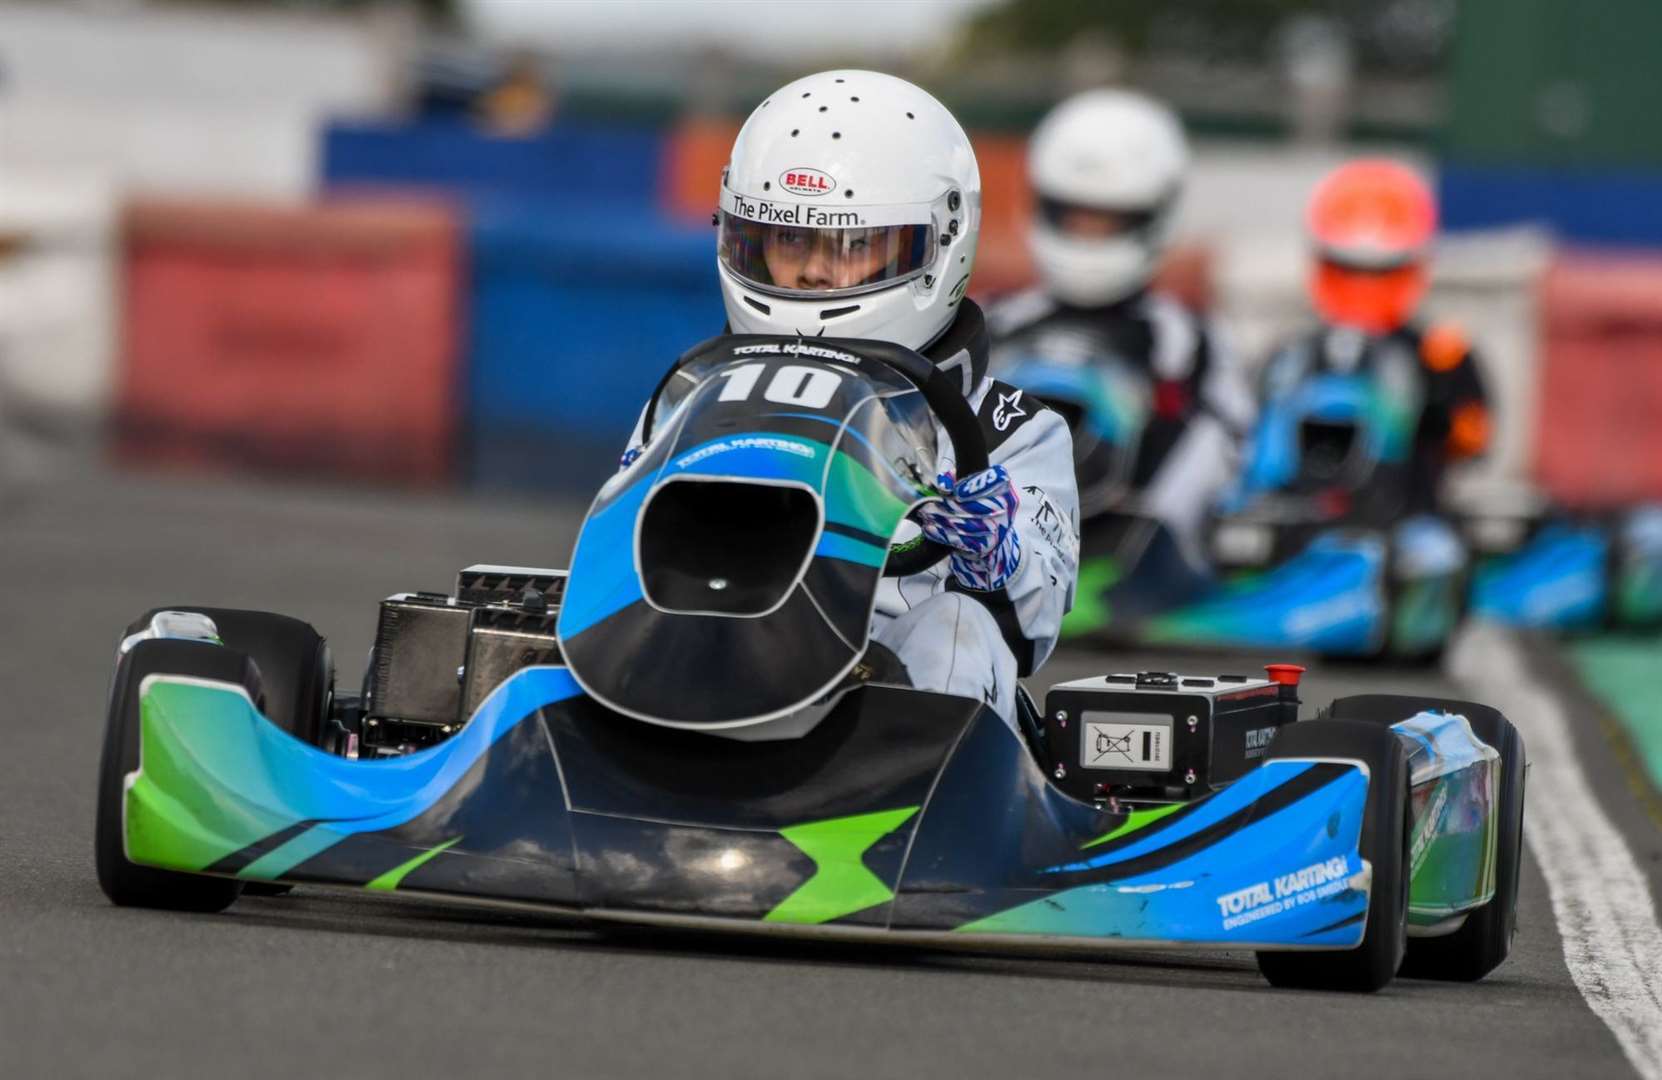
x=1157 y=737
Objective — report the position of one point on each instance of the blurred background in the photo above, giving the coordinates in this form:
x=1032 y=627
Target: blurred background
x=453 y=243
x=306 y=302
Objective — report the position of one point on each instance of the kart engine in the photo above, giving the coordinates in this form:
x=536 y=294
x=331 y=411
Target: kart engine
x=1157 y=737
x=437 y=656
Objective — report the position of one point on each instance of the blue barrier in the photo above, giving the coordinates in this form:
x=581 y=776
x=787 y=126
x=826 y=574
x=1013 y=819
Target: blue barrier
x=575 y=313
x=1606 y=207
x=570 y=160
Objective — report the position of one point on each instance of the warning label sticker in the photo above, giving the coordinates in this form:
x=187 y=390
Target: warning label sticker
x=1126 y=741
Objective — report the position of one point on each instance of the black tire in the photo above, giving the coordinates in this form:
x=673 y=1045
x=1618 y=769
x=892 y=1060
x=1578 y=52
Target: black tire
x=124 y=882
x=1372 y=964
x=297 y=674
x=1430 y=655
x=1485 y=939
x=266 y=888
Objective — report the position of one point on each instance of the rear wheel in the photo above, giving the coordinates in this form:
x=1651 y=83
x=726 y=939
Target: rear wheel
x=1384 y=844
x=127 y=883
x=1485 y=939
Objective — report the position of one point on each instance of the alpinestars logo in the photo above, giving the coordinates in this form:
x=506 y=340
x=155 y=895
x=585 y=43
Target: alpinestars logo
x=1009 y=409
x=801 y=181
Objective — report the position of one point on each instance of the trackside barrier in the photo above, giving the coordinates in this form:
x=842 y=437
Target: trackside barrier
x=1599 y=427
x=574 y=318
x=321 y=339
x=570 y=164
x=57 y=298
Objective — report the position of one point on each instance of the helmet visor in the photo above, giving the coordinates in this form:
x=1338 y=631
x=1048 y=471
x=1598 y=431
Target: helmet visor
x=810 y=261
x=1081 y=222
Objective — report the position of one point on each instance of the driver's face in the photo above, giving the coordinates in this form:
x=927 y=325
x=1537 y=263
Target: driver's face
x=819 y=259
x=1092 y=224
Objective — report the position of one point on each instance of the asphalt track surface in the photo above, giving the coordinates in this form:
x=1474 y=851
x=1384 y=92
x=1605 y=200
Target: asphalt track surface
x=340 y=984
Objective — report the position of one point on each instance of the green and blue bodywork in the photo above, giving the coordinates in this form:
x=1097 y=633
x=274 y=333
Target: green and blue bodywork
x=908 y=812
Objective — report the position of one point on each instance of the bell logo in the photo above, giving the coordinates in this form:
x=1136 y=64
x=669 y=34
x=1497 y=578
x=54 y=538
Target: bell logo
x=801 y=181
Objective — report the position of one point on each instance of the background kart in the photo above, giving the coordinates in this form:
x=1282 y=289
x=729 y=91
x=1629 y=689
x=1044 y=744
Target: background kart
x=1316 y=548
x=1183 y=812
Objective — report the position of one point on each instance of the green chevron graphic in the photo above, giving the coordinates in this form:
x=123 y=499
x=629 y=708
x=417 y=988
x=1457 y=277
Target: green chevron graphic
x=388 y=881
x=1135 y=820
x=841 y=884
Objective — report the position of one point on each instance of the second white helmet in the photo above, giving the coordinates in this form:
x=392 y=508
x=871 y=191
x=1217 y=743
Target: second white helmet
x=850 y=208
x=1106 y=168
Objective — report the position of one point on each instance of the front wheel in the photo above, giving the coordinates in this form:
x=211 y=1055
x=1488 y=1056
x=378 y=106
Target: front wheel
x=128 y=883
x=297 y=674
x=1384 y=843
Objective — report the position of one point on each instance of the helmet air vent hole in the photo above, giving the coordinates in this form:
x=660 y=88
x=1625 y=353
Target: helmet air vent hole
x=767 y=184
x=836 y=134
x=807 y=93
x=795 y=132
x=909 y=116
x=848 y=193
x=758 y=305
x=835 y=312
x=951 y=198
x=854 y=99
x=839 y=80
x=824 y=108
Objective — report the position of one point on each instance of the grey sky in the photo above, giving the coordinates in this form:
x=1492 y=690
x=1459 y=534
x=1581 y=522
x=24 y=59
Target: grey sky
x=795 y=29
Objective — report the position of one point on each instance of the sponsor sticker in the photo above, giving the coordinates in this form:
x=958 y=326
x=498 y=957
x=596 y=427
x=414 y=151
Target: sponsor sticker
x=774 y=212
x=1318 y=881
x=797 y=348
x=805 y=181
x=1125 y=741
x=748 y=442
x=1427 y=828
x=979 y=483
x=1008 y=410
x=1258 y=742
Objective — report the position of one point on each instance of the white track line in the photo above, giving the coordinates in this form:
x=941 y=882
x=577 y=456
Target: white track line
x=1612 y=943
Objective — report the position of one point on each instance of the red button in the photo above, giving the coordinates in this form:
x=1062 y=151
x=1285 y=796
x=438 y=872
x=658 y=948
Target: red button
x=1284 y=674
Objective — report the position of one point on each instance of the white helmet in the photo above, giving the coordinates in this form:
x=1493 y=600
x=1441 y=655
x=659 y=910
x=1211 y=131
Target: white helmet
x=850 y=208
x=1104 y=150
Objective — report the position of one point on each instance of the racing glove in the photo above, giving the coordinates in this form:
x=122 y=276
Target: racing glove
x=975 y=517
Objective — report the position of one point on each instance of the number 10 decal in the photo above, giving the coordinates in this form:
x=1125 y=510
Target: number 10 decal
x=793 y=384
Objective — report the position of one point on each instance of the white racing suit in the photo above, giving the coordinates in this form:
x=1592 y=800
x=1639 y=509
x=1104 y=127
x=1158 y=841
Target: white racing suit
x=1198 y=406
x=976 y=644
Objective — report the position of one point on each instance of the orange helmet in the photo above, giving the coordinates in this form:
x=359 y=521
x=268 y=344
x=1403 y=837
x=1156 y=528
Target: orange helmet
x=1371 y=222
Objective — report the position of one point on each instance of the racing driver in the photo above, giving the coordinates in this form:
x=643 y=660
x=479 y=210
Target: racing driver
x=843 y=146
x=1371 y=223
x=1107 y=168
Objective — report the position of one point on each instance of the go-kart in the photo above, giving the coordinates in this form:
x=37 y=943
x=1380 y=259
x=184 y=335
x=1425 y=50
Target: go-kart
x=1322 y=544
x=1538 y=565
x=596 y=743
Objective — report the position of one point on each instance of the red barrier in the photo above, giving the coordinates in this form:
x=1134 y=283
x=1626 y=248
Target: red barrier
x=321 y=339
x=1599 y=420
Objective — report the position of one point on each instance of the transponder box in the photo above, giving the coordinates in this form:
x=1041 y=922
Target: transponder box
x=1157 y=737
